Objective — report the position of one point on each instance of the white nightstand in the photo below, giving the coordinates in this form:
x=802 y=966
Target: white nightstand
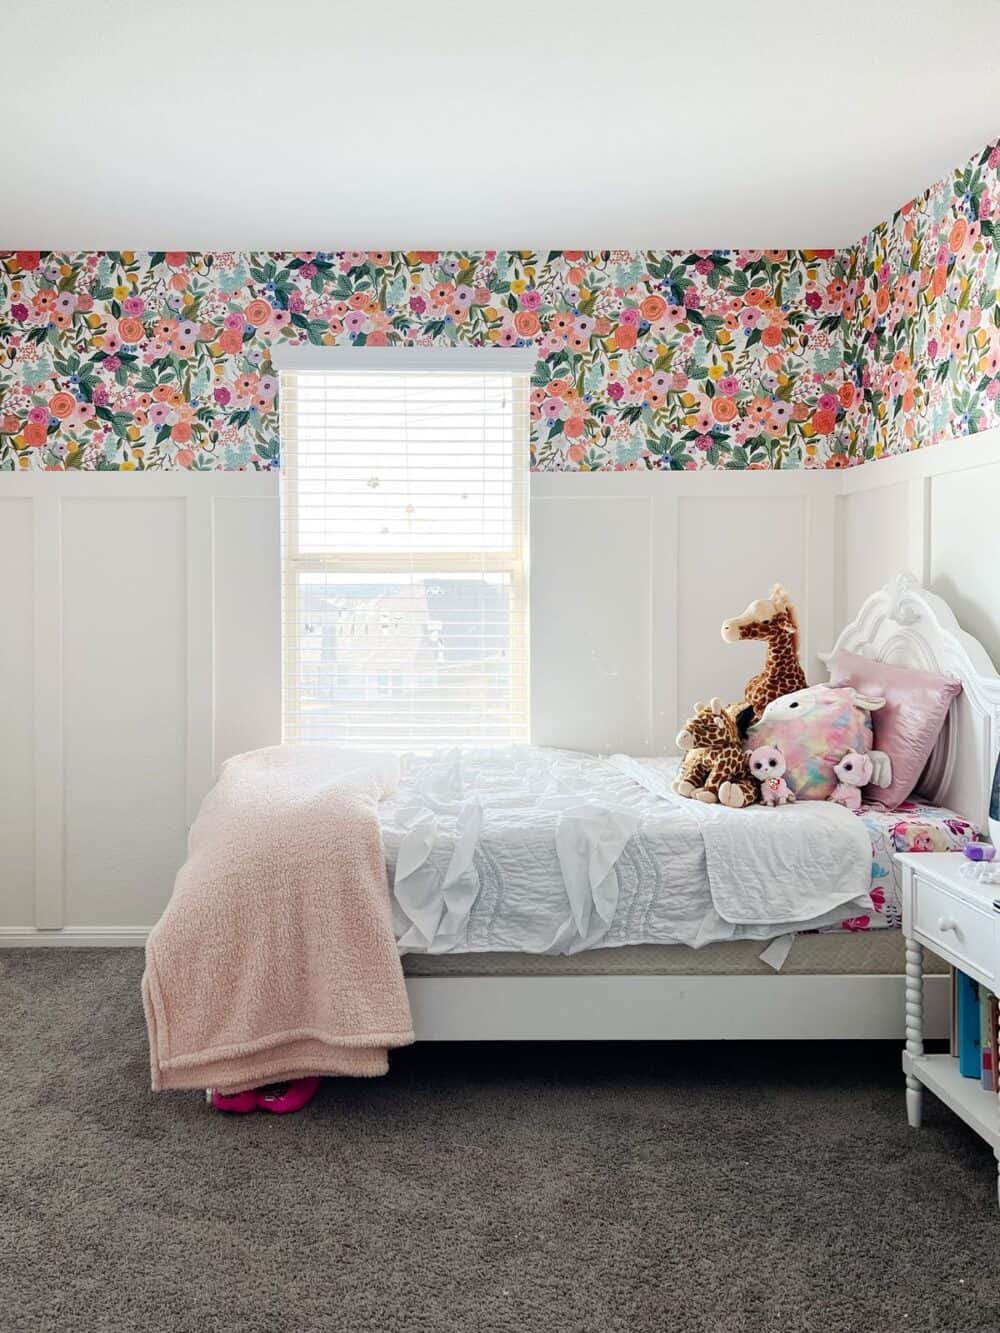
x=955 y=918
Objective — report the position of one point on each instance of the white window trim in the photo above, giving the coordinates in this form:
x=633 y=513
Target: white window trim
x=479 y=360
x=330 y=360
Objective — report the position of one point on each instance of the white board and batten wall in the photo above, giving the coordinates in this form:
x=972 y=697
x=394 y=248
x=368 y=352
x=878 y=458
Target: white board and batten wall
x=935 y=512
x=140 y=635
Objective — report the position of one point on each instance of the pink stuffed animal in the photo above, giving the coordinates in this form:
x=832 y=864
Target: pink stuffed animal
x=767 y=764
x=853 y=772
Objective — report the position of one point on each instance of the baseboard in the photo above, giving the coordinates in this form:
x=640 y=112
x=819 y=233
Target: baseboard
x=73 y=937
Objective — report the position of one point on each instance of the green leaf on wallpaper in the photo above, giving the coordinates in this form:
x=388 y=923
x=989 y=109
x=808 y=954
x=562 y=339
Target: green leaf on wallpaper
x=69 y=365
x=397 y=290
x=87 y=378
x=502 y=267
x=200 y=382
x=265 y=273
x=738 y=283
x=711 y=325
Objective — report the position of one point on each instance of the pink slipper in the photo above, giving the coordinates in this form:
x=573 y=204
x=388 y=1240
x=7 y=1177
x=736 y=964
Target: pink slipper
x=236 y=1103
x=298 y=1094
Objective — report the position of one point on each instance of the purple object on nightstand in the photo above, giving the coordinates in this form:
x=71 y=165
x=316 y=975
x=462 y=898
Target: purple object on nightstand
x=980 y=851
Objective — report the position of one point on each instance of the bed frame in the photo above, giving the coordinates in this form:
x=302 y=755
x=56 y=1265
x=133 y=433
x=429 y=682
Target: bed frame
x=902 y=624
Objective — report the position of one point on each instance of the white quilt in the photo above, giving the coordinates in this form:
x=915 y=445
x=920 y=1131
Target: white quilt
x=551 y=851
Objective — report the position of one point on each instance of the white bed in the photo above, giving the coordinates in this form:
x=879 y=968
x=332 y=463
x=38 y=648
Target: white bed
x=466 y=986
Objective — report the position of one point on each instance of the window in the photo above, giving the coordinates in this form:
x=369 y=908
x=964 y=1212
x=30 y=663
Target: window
x=404 y=541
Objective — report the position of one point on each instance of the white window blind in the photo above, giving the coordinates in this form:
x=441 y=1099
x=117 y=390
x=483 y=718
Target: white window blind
x=404 y=542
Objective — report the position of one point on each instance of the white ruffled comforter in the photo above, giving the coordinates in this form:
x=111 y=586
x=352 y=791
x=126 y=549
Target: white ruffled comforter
x=551 y=851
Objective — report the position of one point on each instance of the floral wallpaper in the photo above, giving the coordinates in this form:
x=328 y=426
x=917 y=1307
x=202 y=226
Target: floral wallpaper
x=717 y=359
x=131 y=360
x=922 y=337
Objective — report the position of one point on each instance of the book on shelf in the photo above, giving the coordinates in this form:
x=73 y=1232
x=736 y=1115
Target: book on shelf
x=985 y=1054
x=968 y=1021
x=953 y=1014
x=988 y=1038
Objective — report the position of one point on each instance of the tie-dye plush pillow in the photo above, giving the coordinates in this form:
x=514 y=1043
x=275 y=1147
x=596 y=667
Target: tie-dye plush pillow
x=814 y=728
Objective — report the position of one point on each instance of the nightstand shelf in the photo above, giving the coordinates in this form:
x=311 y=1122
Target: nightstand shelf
x=953 y=916
x=965 y=1096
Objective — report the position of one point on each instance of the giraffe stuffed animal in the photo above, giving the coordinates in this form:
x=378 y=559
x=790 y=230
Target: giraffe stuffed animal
x=773 y=620
x=715 y=765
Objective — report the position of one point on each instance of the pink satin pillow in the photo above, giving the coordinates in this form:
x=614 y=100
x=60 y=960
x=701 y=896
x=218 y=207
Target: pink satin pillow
x=916 y=705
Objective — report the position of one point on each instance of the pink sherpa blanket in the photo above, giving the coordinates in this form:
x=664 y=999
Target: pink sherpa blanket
x=275 y=956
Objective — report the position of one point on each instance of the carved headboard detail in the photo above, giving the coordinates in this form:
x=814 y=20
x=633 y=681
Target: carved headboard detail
x=905 y=625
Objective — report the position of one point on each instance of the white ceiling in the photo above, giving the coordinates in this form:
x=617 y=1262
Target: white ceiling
x=321 y=124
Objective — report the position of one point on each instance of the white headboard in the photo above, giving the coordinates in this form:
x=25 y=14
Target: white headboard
x=905 y=625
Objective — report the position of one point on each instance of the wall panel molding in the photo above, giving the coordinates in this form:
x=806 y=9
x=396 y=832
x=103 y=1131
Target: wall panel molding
x=199 y=521
x=47 y=674
x=632 y=573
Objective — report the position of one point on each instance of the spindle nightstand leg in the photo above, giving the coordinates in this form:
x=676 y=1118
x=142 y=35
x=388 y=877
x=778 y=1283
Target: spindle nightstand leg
x=914 y=1028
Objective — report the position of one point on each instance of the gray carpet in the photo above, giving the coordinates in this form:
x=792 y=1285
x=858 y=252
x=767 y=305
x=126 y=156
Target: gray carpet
x=583 y=1188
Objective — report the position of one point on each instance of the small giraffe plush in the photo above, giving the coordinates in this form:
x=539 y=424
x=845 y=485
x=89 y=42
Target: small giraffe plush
x=715 y=766
x=772 y=619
